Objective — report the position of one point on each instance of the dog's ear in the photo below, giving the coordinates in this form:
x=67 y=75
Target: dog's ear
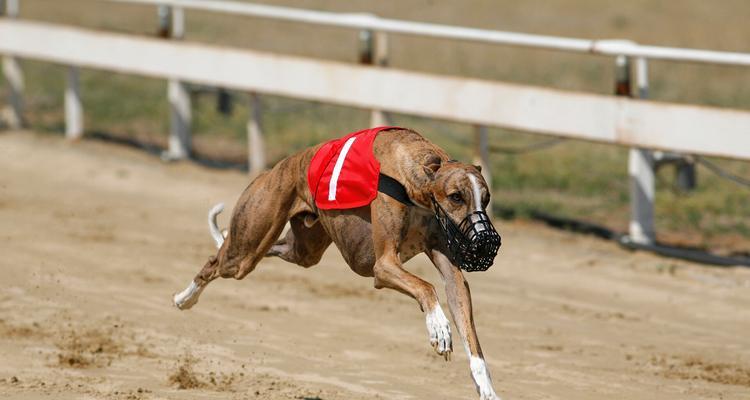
x=478 y=167
x=432 y=167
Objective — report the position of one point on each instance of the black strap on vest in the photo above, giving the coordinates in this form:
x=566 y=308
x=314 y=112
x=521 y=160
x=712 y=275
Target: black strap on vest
x=393 y=188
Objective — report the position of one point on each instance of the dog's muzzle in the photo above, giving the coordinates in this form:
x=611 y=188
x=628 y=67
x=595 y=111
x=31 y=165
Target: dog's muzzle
x=473 y=243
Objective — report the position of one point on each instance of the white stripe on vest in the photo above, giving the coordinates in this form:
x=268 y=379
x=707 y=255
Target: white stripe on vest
x=337 y=169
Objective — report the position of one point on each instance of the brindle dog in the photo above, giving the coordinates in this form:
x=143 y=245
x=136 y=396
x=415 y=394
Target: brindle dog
x=374 y=240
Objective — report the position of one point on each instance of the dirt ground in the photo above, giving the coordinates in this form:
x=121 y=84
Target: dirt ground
x=96 y=238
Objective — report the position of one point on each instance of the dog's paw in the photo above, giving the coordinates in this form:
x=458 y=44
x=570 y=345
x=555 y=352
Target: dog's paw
x=439 y=329
x=482 y=379
x=489 y=395
x=188 y=297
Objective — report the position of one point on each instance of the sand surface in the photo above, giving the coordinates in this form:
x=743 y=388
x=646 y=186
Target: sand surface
x=96 y=238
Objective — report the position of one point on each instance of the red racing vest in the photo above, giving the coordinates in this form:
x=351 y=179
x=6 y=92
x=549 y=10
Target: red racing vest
x=344 y=173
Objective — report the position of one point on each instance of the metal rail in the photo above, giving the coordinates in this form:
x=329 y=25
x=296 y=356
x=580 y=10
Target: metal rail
x=606 y=47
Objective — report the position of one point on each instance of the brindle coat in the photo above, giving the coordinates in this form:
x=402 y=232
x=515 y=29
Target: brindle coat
x=374 y=240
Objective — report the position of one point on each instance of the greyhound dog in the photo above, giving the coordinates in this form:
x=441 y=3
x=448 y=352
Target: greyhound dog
x=375 y=240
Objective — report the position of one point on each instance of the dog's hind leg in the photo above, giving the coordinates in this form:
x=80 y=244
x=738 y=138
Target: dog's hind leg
x=459 y=303
x=257 y=221
x=304 y=244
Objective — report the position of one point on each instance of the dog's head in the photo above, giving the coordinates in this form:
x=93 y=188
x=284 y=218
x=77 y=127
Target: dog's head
x=459 y=196
x=460 y=189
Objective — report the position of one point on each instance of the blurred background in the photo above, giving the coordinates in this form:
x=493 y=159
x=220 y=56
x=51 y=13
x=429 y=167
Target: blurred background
x=567 y=178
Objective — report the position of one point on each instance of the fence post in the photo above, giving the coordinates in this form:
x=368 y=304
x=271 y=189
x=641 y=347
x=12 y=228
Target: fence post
x=165 y=21
x=256 y=147
x=482 y=157
x=373 y=50
x=14 y=75
x=180 y=145
x=640 y=162
x=73 y=106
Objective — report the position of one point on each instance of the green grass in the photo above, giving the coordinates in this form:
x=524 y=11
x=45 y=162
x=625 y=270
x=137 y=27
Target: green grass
x=575 y=179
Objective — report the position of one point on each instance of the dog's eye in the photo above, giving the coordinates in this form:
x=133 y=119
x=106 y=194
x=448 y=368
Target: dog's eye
x=456 y=198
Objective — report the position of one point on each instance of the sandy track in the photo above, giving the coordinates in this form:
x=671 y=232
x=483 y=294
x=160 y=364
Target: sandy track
x=96 y=238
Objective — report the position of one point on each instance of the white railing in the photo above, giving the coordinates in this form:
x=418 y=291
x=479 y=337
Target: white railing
x=374 y=23
x=618 y=120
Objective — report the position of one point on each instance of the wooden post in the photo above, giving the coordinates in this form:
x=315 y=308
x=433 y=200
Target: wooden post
x=640 y=169
x=641 y=77
x=14 y=76
x=178 y=22
x=374 y=51
x=164 y=13
x=180 y=144
x=640 y=163
x=73 y=106
x=256 y=147
x=482 y=157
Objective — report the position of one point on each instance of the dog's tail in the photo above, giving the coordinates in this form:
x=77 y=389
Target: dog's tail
x=213 y=227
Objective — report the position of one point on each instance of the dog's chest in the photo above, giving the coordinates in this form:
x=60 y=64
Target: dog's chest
x=414 y=236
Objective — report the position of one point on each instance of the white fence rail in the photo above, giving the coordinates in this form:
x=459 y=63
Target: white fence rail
x=374 y=23
x=618 y=120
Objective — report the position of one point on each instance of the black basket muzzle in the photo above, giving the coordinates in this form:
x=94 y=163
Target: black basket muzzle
x=473 y=243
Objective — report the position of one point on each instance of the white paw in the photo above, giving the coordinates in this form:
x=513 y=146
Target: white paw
x=489 y=395
x=482 y=379
x=439 y=329
x=188 y=297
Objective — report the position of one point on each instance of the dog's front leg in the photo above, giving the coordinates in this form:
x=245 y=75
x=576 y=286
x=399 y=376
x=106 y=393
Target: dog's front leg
x=387 y=226
x=459 y=303
x=389 y=273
